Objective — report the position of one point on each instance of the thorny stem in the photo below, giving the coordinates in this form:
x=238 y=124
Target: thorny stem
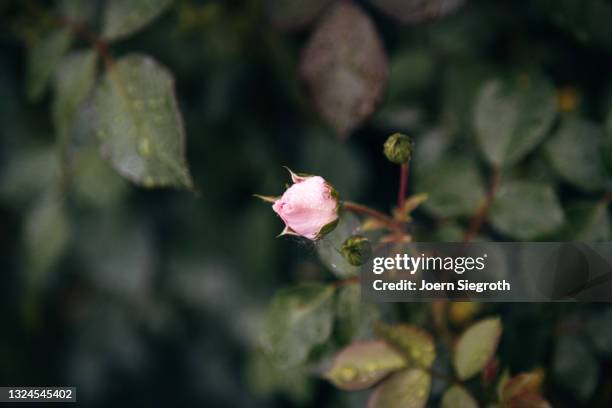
x=362 y=209
x=483 y=210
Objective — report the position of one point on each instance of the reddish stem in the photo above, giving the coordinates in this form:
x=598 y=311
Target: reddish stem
x=345 y=282
x=84 y=32
x=483 y=210
x=362 y=209
x=403 y=186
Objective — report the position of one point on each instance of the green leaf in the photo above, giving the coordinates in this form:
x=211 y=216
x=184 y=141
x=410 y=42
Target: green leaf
x=410 y=71
x=265 y=378
x=406 y=389
x=328 y=248
x=512 y=118
x=121 y=259
x=587 y=221
x=297 y=320
x=74 y=80
x=575 y=367
x=415 y=344
x=321 y=153
x=354 y=316
x=583 y=20
x=122 y=18
x=27 y=173
x=453 y=184
x=139 y=124
x=363 y=364
x=344 y=66
x=458 y=397
x=415 y=11
x=461 y=84
x=526 y=210
x=293 y=14
x=47 y=232
x=42 y=60
x=77 y=10
x=574 y=152
x=94 y=183
x=476 y=346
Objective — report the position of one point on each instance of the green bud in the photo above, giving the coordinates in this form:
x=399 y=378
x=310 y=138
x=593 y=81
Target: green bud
x=356 y=250
x=398 y=148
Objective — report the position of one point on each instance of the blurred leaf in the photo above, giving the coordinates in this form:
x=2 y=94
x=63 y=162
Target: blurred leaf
x=410 y=71
x=266 y=378
x=344 y=66
x=297 y=320
x=27 y=173
x=574 y=152
x=122 y=18
x=585 y=20
x=78 y=10
x=354 y=316
x=416 y=11
x=94 y=183
x=458 y=397
x=119 y=256
x=448 y=232
x=461 y=85
x=460 y=313
x=42 y=60
x=293 y=14
x=575 y=367
x=47 y=232
x=406 y=389
x=453 y=184
x=416 y=344
x=526 y=210
x=75 y=76
x=431 y=147
x=512 y=118
x=139 y=124
x=322 y=154
x=600 y=331
x=476 y=346
x=523 y=391
x=363 y=364
x=328 y=248
x=587 y=221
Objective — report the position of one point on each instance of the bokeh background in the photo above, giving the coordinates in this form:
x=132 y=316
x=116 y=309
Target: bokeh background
x=153 y=297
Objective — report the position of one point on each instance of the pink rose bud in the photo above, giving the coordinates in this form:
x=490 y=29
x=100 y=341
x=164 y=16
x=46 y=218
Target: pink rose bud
x=309 y=207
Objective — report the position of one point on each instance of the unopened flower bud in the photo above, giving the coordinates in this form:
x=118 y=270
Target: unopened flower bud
x=357 y=250
x=398 y=148
x=309 y=207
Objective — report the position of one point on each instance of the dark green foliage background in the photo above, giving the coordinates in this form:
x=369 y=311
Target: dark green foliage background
x=156 y=298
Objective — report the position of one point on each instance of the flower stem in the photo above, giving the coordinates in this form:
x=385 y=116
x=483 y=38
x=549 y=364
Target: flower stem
x=403 y=186
x=483 y=210
x=345 y=282
x=362 y=209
